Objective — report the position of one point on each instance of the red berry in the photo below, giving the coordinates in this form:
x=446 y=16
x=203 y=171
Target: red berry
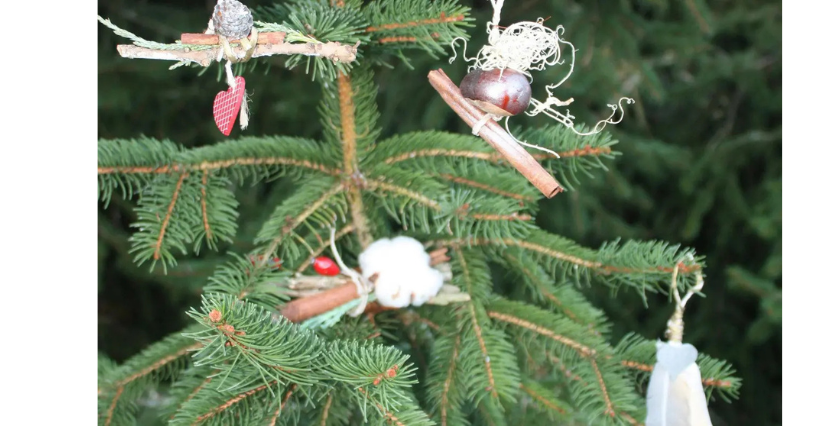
x=326 y=266
x=499 y=93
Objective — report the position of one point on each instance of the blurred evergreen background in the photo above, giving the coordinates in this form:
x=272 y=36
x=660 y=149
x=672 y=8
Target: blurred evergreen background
x=701 y=162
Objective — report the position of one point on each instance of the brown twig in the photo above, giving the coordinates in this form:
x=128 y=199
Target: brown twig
x=450 y=372
x=111 y=410
x=298 y=310
x=168 y=216
x=468 y=283
x=495 y=135
x=206 y=227
x=349 y=142
x=217 y=165
x=283 y=404
x=334 y=51
x=541 y=399
x=217 y=410
x=578 y=347
x=440 y=20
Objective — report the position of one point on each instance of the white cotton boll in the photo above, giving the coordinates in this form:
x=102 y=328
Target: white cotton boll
x=675 y=396
x=404 y=273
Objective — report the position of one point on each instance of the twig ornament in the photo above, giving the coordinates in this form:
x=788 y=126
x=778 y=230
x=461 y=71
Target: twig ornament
x=231 y=19
x=523 y=47
x=675 y=396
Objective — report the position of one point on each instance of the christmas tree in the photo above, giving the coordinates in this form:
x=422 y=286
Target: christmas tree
x=520 y=342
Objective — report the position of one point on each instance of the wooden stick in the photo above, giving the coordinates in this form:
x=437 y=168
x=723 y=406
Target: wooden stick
x=335 y=51
x=298 y=310
x=495 y=135
x=212 y=39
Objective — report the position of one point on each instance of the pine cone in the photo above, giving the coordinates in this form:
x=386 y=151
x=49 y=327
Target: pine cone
x=232 y=19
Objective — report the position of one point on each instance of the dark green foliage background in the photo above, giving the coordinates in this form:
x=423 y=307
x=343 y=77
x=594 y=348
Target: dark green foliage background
x=701 y=161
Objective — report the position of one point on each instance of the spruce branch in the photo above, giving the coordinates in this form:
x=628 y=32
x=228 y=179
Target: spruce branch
x=119 y=387
x=485 y=187
x=562 y=297
x=433 y=149
x=546 y=400
x=283 y=404
x=319 y=20
x=406 y=414
x=444 y=385
x=486 y=346
x=642 y=265
x=605 y=383
x=259 y=157
x=315 y=204
x=242 y=279
x=424 y=25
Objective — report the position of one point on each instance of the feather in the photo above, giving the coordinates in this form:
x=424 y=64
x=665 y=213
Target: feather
x=674 y=395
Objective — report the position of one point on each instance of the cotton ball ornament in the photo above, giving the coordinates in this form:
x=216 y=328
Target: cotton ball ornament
x=404 y=273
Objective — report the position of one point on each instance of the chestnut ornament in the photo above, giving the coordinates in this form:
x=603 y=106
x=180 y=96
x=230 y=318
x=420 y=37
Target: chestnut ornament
x=501 y=93
x=326 y=266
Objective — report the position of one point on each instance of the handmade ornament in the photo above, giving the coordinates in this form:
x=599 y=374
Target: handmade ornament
x=402 y=272
x=500 y=92
x=326 y=266
x=521 y=48
x=232 y=20
x=675 y=396
x=228 y=104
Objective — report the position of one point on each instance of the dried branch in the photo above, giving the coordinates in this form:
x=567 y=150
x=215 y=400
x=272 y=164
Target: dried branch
x=268 y=45
x=495 y=135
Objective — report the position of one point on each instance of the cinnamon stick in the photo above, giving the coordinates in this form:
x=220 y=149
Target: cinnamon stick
x=495 y=135
x=212 y=39
x=298 y=310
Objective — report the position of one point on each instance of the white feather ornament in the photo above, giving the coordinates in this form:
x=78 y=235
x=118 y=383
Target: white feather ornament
x=675 y=396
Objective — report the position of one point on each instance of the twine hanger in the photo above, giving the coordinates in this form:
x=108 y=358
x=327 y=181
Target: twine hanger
x=676 y=323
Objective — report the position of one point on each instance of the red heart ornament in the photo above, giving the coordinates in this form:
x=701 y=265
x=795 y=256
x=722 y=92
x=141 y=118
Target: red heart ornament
x=227 y=106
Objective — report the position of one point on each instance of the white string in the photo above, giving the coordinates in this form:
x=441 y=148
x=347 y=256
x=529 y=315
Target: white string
x=230 y=78
x=481 y=122
x=362 y=285
x=567 y=118
x=676 y=323
x=507 y=127
x=700 y=282
x=530 y=46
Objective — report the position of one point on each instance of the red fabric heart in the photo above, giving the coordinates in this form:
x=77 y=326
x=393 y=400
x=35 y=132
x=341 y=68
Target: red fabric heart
x=227 y=105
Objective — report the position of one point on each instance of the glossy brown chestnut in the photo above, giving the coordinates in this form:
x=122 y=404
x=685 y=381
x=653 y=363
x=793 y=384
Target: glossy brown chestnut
x=499 y=93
